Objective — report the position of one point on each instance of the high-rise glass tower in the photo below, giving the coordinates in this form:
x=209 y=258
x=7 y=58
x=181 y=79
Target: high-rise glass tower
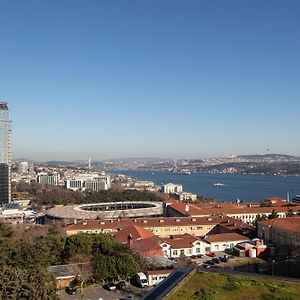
x=5 y=154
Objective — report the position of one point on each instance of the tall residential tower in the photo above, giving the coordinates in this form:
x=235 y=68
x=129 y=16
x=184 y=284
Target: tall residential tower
x=5 y=154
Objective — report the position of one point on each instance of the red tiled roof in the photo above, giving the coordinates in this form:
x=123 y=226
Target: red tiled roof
x=225 y=237
x=251 y=210
x=233 y=224
x=188 y=209
x=290 y=224
x=145 y=223
x=148 y=247
x=226 y=208
x=135 y=232
x=180 y=241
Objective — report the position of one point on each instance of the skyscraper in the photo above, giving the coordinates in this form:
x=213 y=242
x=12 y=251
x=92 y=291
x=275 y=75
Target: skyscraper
x=5 y=154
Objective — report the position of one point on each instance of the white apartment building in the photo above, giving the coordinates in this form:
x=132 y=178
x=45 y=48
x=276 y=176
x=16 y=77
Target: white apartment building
x=48 y=178
x=171 y=188
x=89 y=182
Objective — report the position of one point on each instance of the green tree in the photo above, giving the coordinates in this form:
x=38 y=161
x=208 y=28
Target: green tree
x=289 y=213
x=260 y=217
x=26 y=283
x=126 y=265
x=105 y=267
x=273 y=215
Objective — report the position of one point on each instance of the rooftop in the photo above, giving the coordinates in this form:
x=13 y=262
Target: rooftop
x=225 y=237
x=180 y=241
x=145 y=223
x=290 y=224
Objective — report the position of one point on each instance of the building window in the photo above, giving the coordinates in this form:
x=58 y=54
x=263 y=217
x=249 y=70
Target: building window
x=175 y=252
x=217 y=247
x=189 y=252
x=199 y=228
x=197 y=250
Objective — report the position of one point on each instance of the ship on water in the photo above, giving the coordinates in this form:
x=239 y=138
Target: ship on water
x=219 y=184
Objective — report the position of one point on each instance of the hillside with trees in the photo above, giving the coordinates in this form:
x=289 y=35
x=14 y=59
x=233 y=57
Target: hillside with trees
x=23 y=264
x=52 y=195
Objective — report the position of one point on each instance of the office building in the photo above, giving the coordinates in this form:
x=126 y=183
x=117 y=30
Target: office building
x=48 y=178
x=5 y=154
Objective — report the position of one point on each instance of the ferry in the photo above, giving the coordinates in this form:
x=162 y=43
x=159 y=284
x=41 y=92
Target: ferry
x=219 y=184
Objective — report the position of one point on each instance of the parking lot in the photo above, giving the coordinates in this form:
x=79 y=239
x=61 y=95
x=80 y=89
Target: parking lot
x=97 y=292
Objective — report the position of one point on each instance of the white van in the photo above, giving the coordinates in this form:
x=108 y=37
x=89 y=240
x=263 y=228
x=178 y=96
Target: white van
x=141 y=279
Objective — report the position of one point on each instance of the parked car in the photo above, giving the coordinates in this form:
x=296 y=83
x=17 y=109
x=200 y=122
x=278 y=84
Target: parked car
x=224 y=258
x=110 y=286
x=211 y=254
x=209 y=262
x=71 y=290
x=216 y=260
x=121 y=285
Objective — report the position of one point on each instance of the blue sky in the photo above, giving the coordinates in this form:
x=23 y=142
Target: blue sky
x=166 y=78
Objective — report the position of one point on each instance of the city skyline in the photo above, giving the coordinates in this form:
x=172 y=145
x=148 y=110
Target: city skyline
x=150 y=79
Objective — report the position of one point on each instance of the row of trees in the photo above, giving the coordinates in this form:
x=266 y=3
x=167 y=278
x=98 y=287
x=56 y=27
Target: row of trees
x=23 y=265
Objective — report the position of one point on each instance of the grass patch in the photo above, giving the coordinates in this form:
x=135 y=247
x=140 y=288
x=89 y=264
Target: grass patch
x=212 y=286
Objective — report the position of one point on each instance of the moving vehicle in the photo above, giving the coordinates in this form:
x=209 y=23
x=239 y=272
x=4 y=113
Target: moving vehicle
x=141 y=279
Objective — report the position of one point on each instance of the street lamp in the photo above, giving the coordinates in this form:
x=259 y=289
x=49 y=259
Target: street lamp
x=273 y=261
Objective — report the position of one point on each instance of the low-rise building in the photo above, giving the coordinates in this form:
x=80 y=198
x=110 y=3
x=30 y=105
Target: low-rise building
x=223 y=241
x=65 y=274
x=182 y=245
x=11 y=213
x=252 y=248
x=157 y=276
x=140 y=240
x=280 y=232
x=162 y=227
x=245 y=212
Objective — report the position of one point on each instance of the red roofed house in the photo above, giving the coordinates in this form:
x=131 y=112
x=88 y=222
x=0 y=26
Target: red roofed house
x=140 y=240
x=182 y=245
x=223 y=241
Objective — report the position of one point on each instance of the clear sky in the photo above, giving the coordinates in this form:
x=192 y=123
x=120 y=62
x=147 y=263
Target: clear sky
x=159 y=78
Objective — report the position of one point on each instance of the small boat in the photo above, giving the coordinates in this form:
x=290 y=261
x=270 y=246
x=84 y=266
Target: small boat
x=219 y=184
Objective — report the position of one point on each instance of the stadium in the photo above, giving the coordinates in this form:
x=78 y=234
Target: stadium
x=110 y=210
